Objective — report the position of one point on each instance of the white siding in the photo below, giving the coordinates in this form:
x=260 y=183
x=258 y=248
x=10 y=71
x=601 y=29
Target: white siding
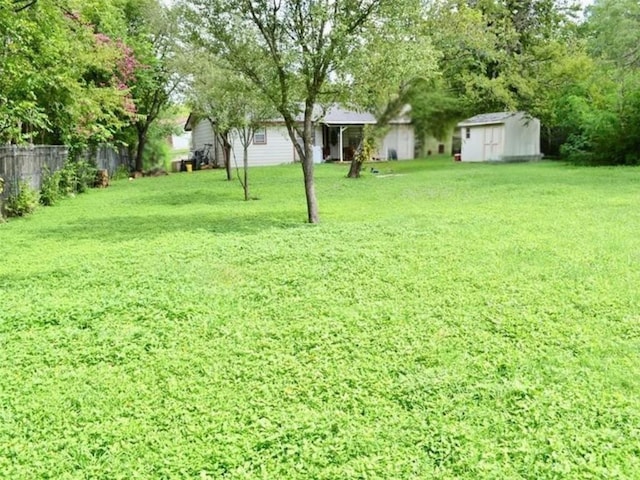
x=316 y=138
x=472 y=147
x=516 y=137
x=277 y=150
x=202 y=133
x=494 y=142
x=523 y=137
x=431 y=144
x=181 y=142
x=401 y=139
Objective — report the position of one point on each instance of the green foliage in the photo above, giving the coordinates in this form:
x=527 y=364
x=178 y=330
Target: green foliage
x=85 y=175
x=601 y=112
x=153 y=32
x=60 y=79
x=157 y=151
x=51 y=192
x=121 y=173
x=22 y=203
x=499 y=55
x=484 y=325
x=392 y=57
x=368 y=148
x=434 y=110
x=77 y=176
x=613 y=30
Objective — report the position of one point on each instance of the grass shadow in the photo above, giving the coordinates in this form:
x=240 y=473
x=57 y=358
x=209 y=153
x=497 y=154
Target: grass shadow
x=121 y=228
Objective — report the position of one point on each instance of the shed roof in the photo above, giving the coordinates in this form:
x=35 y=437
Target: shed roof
x=489 y=118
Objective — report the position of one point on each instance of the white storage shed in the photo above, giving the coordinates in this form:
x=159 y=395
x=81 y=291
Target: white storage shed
x=500 y=137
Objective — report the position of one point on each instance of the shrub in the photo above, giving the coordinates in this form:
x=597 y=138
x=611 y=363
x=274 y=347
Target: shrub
x=77 y=176
x=157 y=152
x=67 y=179
x=121 y=173
x=603 y=120
x=74 y=177
x=23 y=203
x=50 y=192
x=85 y=175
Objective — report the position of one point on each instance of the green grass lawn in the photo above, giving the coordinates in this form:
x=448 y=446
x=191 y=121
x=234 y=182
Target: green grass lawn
x=445 y=321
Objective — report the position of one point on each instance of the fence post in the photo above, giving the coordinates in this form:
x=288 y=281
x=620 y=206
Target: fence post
x=1 y=200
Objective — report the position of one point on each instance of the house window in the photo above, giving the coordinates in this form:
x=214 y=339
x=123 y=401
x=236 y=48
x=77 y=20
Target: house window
x=260 y=136
x=468 y=132
x=441 y=148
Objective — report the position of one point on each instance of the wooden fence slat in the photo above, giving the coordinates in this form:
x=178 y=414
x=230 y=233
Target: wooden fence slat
x=26 y=163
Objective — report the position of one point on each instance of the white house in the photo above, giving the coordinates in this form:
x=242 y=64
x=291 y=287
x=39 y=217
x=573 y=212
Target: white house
x=341 y=133
x=180 y=141
x=337 y=134
x=500 y=137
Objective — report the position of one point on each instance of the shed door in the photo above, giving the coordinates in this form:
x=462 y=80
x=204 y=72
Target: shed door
x=492 y=142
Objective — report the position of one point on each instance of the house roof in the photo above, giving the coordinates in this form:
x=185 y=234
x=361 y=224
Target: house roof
x=337 y=115
x=489 y=118
x=188 y=124
x=334 y=115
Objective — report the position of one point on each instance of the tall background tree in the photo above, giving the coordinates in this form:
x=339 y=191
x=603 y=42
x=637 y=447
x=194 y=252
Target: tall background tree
x=81 y=73
x=152 y=32
x=503 y=55
x=288 y=50
x=601 y=112
x=63 y=80
x=393 y=57
x=212 y=95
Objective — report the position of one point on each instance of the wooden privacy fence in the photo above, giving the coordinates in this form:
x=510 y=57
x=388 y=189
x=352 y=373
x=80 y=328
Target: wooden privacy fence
x=108 y=158
x=27 y=163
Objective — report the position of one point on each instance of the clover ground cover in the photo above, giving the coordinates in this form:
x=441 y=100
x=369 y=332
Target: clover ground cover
x=443 y=321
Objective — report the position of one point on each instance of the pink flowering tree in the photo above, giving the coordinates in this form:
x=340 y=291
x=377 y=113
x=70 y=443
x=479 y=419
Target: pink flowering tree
x=106 y=106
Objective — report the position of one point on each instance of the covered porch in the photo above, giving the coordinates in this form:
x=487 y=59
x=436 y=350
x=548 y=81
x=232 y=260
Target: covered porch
x=340 y=142
x=342 y=132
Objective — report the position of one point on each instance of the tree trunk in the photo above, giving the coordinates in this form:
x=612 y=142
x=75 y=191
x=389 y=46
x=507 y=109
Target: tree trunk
x=142 y=142
x=223 y=140
x=358 y=159
x=245 y=165
x=370 y=136
x=307 y=167
x=355 y=168
x=226 y=152
x=310 y=191
x=306 y=159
